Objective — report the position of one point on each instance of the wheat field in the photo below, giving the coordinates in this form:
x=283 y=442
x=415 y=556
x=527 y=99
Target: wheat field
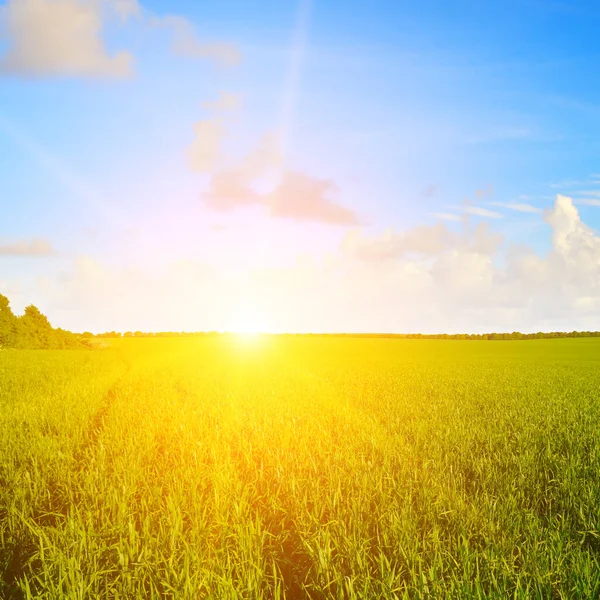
x=301 y=467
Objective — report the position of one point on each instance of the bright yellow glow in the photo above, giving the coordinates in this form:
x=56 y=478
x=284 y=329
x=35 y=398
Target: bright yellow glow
x=247 y=336
x=249 y=323
x=248 y=333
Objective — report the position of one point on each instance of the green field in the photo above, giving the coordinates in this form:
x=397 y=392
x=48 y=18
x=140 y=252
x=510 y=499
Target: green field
x=301 y=467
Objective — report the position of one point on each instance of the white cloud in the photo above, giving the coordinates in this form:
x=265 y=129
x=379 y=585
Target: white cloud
x=522 y=207
x=65 y=38
x=446 y=216
x=571 y=238
x=62 y=38
x=478 y=211
x=594 y=193
x=569 y=183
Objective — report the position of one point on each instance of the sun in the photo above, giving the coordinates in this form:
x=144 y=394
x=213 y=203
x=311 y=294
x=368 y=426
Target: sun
x=249 y=323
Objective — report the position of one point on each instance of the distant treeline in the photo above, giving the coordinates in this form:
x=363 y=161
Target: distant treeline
x=142 y=334
x=515 y=335
x=32 y=330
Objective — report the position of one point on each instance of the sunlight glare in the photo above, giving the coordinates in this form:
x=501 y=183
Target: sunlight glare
x=249 y=323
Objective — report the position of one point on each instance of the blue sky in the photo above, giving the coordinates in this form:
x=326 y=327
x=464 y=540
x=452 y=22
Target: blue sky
x=366 y=151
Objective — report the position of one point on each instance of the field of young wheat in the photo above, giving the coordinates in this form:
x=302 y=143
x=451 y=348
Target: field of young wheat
x=301 y=467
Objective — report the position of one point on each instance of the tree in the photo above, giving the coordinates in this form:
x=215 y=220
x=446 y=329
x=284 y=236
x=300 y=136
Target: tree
x=35 y=330
x=8 y=323
x=32 y=330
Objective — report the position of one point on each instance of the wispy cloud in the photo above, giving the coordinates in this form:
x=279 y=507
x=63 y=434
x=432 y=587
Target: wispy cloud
x=587 y=201
x=567 y=183
x=479 y=211
x=205 y=150
x=225 y=102
x=484 y=192
x=522 y=207
x=575 y=183
x=36 y=247
x=444 y=216
x=186 y=43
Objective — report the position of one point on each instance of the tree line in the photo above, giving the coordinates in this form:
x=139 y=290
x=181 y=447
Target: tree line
x=32 y=330
x=515 y=335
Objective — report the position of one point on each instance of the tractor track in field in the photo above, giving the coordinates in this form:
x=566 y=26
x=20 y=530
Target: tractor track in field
x=97 y=421
x=16 y=554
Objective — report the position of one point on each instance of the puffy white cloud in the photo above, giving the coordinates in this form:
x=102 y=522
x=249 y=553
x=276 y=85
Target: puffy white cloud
x=570 y=237
x=65 y=38
x=62 y=37
x=468 y=281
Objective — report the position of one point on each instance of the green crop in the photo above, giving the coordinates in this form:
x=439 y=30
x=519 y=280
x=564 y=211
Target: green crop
x=292 y=467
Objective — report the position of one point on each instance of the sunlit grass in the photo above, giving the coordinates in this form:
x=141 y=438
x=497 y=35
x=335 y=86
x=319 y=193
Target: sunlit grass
x=298 y=467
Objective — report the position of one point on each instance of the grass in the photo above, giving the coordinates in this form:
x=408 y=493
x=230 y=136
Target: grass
x=301 y=467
